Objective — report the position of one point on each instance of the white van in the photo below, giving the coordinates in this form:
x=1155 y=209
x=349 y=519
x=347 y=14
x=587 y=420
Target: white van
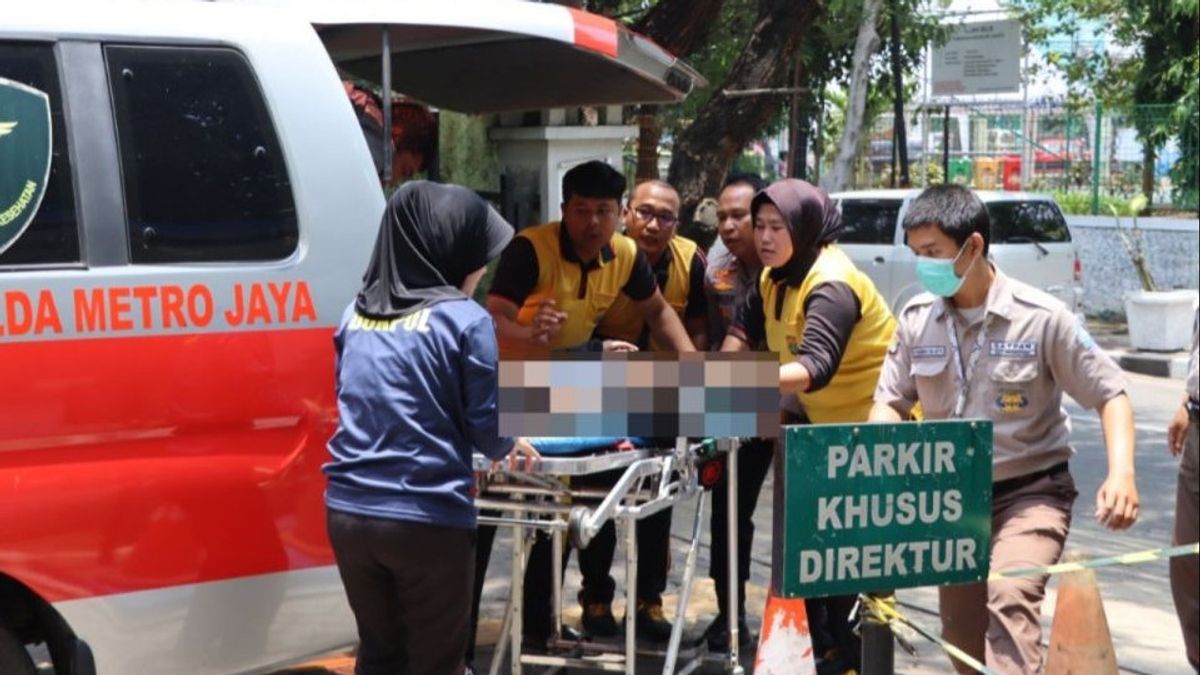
x=1030 y=241
x=166 y=317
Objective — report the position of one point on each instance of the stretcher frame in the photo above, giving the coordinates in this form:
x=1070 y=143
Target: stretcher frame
x=541 y=500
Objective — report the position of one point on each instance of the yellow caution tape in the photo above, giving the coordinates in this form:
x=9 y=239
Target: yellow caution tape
x=884 y=610
x=886 y=613
x=1125 y=559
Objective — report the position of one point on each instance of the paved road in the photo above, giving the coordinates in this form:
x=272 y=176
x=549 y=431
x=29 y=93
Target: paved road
x=1137 y=599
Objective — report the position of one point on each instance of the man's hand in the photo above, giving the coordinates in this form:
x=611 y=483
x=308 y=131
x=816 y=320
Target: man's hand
x=618 y=346
x=1177 y=431
x=1117 y=502
x=547 y=321
x=522 y=457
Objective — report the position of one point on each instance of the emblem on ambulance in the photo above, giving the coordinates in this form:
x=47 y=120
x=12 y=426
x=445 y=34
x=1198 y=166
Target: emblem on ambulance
x=25 y=145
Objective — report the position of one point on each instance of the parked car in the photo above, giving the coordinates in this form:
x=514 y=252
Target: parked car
x=1056 y=154
x=1030 y=241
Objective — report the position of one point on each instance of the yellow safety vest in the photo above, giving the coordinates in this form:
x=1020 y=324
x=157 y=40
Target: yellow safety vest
x=850 y=392
x=562 y=280
x=623 y=321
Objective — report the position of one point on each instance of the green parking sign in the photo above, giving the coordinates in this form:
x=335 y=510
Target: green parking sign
x=883 y=506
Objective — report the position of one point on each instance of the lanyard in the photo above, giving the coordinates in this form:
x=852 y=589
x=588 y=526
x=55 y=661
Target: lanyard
x=964 y=373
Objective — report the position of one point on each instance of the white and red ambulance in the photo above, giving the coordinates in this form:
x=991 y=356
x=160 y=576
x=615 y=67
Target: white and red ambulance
x=166 y=312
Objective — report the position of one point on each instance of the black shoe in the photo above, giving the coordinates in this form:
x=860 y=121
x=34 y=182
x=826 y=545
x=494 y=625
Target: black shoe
x=717 y=635
x=831 y=663
x=598 y=620
x=652 y=624
x=538 y=643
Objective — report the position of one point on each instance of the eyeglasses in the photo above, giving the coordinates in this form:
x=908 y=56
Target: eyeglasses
x=665 y=218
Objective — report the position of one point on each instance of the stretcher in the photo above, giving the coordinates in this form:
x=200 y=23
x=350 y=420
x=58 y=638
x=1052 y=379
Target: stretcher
x=543 y=499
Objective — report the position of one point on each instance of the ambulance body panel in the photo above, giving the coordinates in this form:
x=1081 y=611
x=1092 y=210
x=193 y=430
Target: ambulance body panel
x=164 y=411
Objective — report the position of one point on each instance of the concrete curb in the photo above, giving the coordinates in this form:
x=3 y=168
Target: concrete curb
x=1169 y=364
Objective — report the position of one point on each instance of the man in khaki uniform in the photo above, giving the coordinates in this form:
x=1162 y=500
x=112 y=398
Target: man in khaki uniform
x=1183 y=440
x=983 y=345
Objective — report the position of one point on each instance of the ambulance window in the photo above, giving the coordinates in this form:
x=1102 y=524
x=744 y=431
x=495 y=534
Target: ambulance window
x=203 y=170
x=52 y=237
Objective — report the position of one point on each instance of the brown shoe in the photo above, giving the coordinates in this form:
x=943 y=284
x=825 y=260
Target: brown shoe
x=598 y=620
x=652 y=624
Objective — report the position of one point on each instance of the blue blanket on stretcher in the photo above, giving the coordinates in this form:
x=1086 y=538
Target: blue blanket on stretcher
x=586 y=445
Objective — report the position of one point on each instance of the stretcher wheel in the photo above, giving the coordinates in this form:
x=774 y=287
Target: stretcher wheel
x=575 y=530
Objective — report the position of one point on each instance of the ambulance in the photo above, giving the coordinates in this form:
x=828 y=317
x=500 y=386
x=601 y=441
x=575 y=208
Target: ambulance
x=187 y=203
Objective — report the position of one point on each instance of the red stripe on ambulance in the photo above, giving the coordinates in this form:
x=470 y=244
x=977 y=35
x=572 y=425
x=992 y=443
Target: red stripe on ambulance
x=150 y=461
x=594 y=32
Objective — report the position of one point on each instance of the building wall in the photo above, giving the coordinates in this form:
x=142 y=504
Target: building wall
x=1172 y=246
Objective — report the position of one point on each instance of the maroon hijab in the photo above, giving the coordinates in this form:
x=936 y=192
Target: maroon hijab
x=812 y=218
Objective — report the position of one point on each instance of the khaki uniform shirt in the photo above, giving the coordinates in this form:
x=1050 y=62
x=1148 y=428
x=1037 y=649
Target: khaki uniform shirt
x=1033 y=351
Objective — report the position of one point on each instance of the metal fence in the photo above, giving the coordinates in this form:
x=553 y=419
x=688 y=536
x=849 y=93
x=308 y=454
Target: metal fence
x=1088 y=157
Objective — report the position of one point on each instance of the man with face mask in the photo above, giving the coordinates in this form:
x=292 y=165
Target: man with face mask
x=983 y=345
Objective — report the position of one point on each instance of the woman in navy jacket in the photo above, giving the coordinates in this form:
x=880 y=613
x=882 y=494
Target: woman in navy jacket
x=416 y=393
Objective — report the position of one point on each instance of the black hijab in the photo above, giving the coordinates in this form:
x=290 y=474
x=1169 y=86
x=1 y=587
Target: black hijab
x=431 y=237
x=812 y=219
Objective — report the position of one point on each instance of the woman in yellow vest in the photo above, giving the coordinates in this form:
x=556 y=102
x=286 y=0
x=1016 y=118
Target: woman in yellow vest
x=831 y=329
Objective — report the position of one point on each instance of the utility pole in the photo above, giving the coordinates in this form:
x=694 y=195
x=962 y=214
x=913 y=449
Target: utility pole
x=899 y=137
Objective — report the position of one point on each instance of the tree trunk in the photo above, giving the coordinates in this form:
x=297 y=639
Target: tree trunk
x=681 y=27
x=704 y=151
x=860 y=77
x=797 y=133
x=649 y=134
x=1148 y=159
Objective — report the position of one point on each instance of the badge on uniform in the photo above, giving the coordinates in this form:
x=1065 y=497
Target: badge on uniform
x=1012 y=350
x=1012 y=402
x=929 y=352
x=793 y=345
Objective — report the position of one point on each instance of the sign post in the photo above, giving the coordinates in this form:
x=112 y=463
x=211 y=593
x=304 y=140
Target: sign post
x=980 y=58
x=883 y=506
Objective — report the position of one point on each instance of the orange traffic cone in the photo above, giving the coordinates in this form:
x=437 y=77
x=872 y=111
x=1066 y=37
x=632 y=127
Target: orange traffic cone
x=785 y=645
x=1080 y=643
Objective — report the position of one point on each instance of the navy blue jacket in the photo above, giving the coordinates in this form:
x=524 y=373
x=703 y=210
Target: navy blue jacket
x=416 y=396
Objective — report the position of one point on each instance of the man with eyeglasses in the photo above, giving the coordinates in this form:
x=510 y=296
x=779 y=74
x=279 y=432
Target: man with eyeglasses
x=553 y=285
x=678 y=266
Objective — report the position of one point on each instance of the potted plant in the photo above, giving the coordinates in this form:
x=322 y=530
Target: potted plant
x=1158 y=320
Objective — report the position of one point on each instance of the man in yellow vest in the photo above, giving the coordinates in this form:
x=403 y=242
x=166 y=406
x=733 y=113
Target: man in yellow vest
x=553 y=285
x=678 y=264
x=651 y=221
x=831 y=329
x=556 y=281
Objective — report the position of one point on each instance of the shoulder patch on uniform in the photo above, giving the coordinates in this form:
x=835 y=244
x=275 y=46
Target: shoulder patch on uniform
x=894 y=343
x=1083 y=337
x=1038 y=298
x=918 y=301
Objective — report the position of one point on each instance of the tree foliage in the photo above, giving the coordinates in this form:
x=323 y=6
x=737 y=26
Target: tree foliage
x=1155 y=62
